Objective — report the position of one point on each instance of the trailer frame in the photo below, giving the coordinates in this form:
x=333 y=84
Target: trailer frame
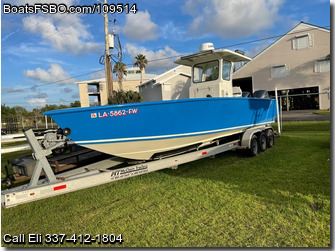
x=107 y=170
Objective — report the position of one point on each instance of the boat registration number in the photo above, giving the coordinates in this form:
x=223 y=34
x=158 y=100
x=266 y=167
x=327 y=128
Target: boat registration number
x=114 y=113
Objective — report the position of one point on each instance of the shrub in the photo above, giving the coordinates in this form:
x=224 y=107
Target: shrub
x=124 y=97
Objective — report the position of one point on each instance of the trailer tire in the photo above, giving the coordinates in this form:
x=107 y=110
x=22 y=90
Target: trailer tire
x=253 y=150
x=262 y=142
x=270 y=138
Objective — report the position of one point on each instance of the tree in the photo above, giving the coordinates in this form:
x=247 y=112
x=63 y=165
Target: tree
x=75 y=104
x=37 y=115
x=7 y=111
x=122 y=97
x=49 y=108
x=121 y=69
x=141 y=61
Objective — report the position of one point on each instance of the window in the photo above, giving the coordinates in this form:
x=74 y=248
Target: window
x=280 y=71
x=226 y=70
x=94 y=100
x=208 y=71
x=93 y=87
x=301 y=42
x=322 y=65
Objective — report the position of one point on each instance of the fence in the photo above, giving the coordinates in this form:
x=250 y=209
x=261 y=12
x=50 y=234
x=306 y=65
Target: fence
x=14 y=124
x=303 y=101
x=303 y=107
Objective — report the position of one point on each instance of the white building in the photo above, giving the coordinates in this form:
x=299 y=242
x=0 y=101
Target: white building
x=173 y=84
x=298 y=63
x=94 y=92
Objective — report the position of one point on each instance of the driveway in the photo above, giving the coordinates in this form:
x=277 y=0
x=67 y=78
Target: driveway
x=304 y=115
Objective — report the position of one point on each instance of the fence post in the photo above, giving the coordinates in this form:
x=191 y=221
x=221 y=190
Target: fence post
x=46 y=121
x=278 y=114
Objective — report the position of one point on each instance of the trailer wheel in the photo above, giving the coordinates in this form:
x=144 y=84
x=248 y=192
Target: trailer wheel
x=262 y=142
x=253 y=150
x=270 y=138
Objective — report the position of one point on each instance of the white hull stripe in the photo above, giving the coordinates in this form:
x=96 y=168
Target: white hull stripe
x=102 y=141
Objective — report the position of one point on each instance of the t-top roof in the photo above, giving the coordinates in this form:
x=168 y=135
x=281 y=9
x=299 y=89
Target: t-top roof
x=209 y=55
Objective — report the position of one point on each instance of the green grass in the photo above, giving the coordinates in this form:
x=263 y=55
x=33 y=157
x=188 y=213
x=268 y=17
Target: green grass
x=323 y=112
x=281 y=198
x=17 y=143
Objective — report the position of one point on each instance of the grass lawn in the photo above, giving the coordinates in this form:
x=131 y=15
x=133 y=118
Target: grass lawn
x=323 y=112
x=281 y=198
x=17 y=143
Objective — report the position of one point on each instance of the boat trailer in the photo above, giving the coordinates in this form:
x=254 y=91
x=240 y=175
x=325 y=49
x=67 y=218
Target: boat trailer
x=254 y=140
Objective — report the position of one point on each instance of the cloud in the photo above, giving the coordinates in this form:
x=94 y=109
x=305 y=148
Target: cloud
x=75 y=96
x=170 y=31
x=91 y=88
x=139 y=27
x=9 y=26
x=67 y=90
x=98 y=75
x=34 y=88
x=9 y=36
x=65 y=32
x=54 y=74
x=26 y=50
x=231 y=18
x=40 y=95
x=10 y=90
x=255 y=50
x=158 y=60
x=40 y=102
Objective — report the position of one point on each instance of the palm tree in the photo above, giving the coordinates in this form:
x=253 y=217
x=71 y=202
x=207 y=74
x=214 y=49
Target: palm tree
x=120 y=69
x=141 y=61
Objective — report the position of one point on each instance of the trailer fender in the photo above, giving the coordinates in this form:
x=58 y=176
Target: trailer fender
x=246 y=139
x=247 y=136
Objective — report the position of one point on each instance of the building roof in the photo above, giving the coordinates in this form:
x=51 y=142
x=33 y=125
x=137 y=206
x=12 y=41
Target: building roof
x=91 y=81
x=208 y=55
x=129 y=77
x=164 y=77
x=301 y=27
x=132 y=77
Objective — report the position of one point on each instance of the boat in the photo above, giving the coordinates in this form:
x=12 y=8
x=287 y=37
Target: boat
x=145 y=130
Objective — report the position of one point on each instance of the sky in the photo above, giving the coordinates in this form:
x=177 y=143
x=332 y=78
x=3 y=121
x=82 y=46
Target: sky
x=43 y=55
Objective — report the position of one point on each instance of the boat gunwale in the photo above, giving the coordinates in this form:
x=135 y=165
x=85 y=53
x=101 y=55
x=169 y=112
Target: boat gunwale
x=150 y=103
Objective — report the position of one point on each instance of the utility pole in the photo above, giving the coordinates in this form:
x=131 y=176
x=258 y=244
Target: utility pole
x=108 y=66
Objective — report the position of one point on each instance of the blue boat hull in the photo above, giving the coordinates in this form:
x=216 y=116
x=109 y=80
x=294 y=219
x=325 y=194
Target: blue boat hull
x=139 y=130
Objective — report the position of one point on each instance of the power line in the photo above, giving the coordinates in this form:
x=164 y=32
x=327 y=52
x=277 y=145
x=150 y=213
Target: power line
x=58 y=102
x=27 y=29
x=159 y=59
x=45 y=37
x=277 y=36
x=11 y=38
x=16 y=42
x=48 y=16
x=49 y=83
x=243 y=43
